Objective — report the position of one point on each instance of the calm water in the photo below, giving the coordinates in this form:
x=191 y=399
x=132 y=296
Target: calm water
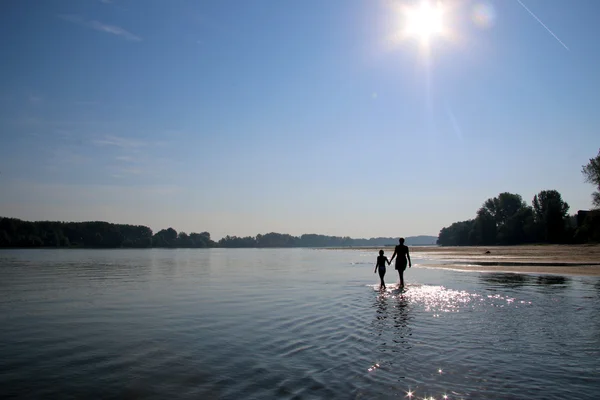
x=287 y=324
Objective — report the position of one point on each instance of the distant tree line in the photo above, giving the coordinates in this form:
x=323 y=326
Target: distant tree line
x=315 y=240
x=507 y=219
x=17 y=233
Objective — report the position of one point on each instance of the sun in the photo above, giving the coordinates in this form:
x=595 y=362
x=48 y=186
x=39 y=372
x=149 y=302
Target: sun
x=430 y=24
x=424 y=21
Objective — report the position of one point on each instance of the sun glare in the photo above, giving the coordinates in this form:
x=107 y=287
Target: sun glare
x=424 y=21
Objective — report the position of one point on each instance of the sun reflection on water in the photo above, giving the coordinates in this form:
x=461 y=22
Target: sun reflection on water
x=437 y=300
x=440 y=299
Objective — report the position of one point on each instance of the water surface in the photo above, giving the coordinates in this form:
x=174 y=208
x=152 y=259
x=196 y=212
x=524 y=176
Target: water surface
x=287 y=324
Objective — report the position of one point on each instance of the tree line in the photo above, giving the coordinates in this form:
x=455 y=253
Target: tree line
x=315 y=240
x=18 y=233
x=506 y=219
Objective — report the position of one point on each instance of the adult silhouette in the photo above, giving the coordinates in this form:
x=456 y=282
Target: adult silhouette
x=402 y=255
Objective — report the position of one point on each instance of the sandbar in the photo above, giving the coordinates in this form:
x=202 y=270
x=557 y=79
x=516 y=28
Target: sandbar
x=536 y=259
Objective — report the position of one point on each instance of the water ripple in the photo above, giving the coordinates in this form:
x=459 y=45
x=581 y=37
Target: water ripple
x=289 y=324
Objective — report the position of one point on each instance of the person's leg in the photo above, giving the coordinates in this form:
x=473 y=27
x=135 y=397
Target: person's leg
x=381 y=284
x=401 y=273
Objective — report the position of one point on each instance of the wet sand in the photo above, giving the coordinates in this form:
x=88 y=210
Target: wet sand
x=542 y=259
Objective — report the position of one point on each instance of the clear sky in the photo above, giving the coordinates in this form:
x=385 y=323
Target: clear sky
x=296 y=116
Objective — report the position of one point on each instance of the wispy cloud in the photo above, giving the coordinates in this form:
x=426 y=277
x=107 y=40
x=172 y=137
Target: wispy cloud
x=132 y=171
x=119 y=142
x=67 y=156
x=101 y=27
x=541 y=23
x=86 y=103
x=35 y=99
x=129 y=172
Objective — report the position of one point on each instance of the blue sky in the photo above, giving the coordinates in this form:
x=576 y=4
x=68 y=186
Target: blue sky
x=246 y=117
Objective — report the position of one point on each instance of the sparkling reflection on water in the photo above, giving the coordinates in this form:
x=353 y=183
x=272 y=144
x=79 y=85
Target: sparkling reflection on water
x=230 y=324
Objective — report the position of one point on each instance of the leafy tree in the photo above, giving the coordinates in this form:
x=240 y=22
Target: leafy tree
x=457 y=234
x=518 y=228
x=276 y=240
x=234 y=241
x=201 y=240
x=592 y=175
x=165 y=238
x=589 y=227
x=4 y=239
x=504 y=219
x=550 y=213
x=484 y=229
x=503 y=207
x=183 y=240
x=205 y=235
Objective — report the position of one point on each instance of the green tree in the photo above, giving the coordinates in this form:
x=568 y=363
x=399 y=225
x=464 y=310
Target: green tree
x=183 y=240
x=550 y=214
x=484 y=230
x=589 y=228
x=274 y=239
x=519 y=227
x=592 y=175
x=4 y=239
x=511 y=216
x=234 y=241
x=505 y=206
x=165 y=238
x=457 y=234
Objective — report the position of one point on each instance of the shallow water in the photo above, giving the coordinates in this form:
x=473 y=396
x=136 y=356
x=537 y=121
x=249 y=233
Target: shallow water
x=287 y=324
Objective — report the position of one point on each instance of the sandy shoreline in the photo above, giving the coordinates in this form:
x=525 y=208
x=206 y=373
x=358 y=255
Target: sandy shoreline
x=584 y=270
x=537 y=259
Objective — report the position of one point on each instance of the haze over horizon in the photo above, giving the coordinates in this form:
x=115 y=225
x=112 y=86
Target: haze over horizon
x=241 y=118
